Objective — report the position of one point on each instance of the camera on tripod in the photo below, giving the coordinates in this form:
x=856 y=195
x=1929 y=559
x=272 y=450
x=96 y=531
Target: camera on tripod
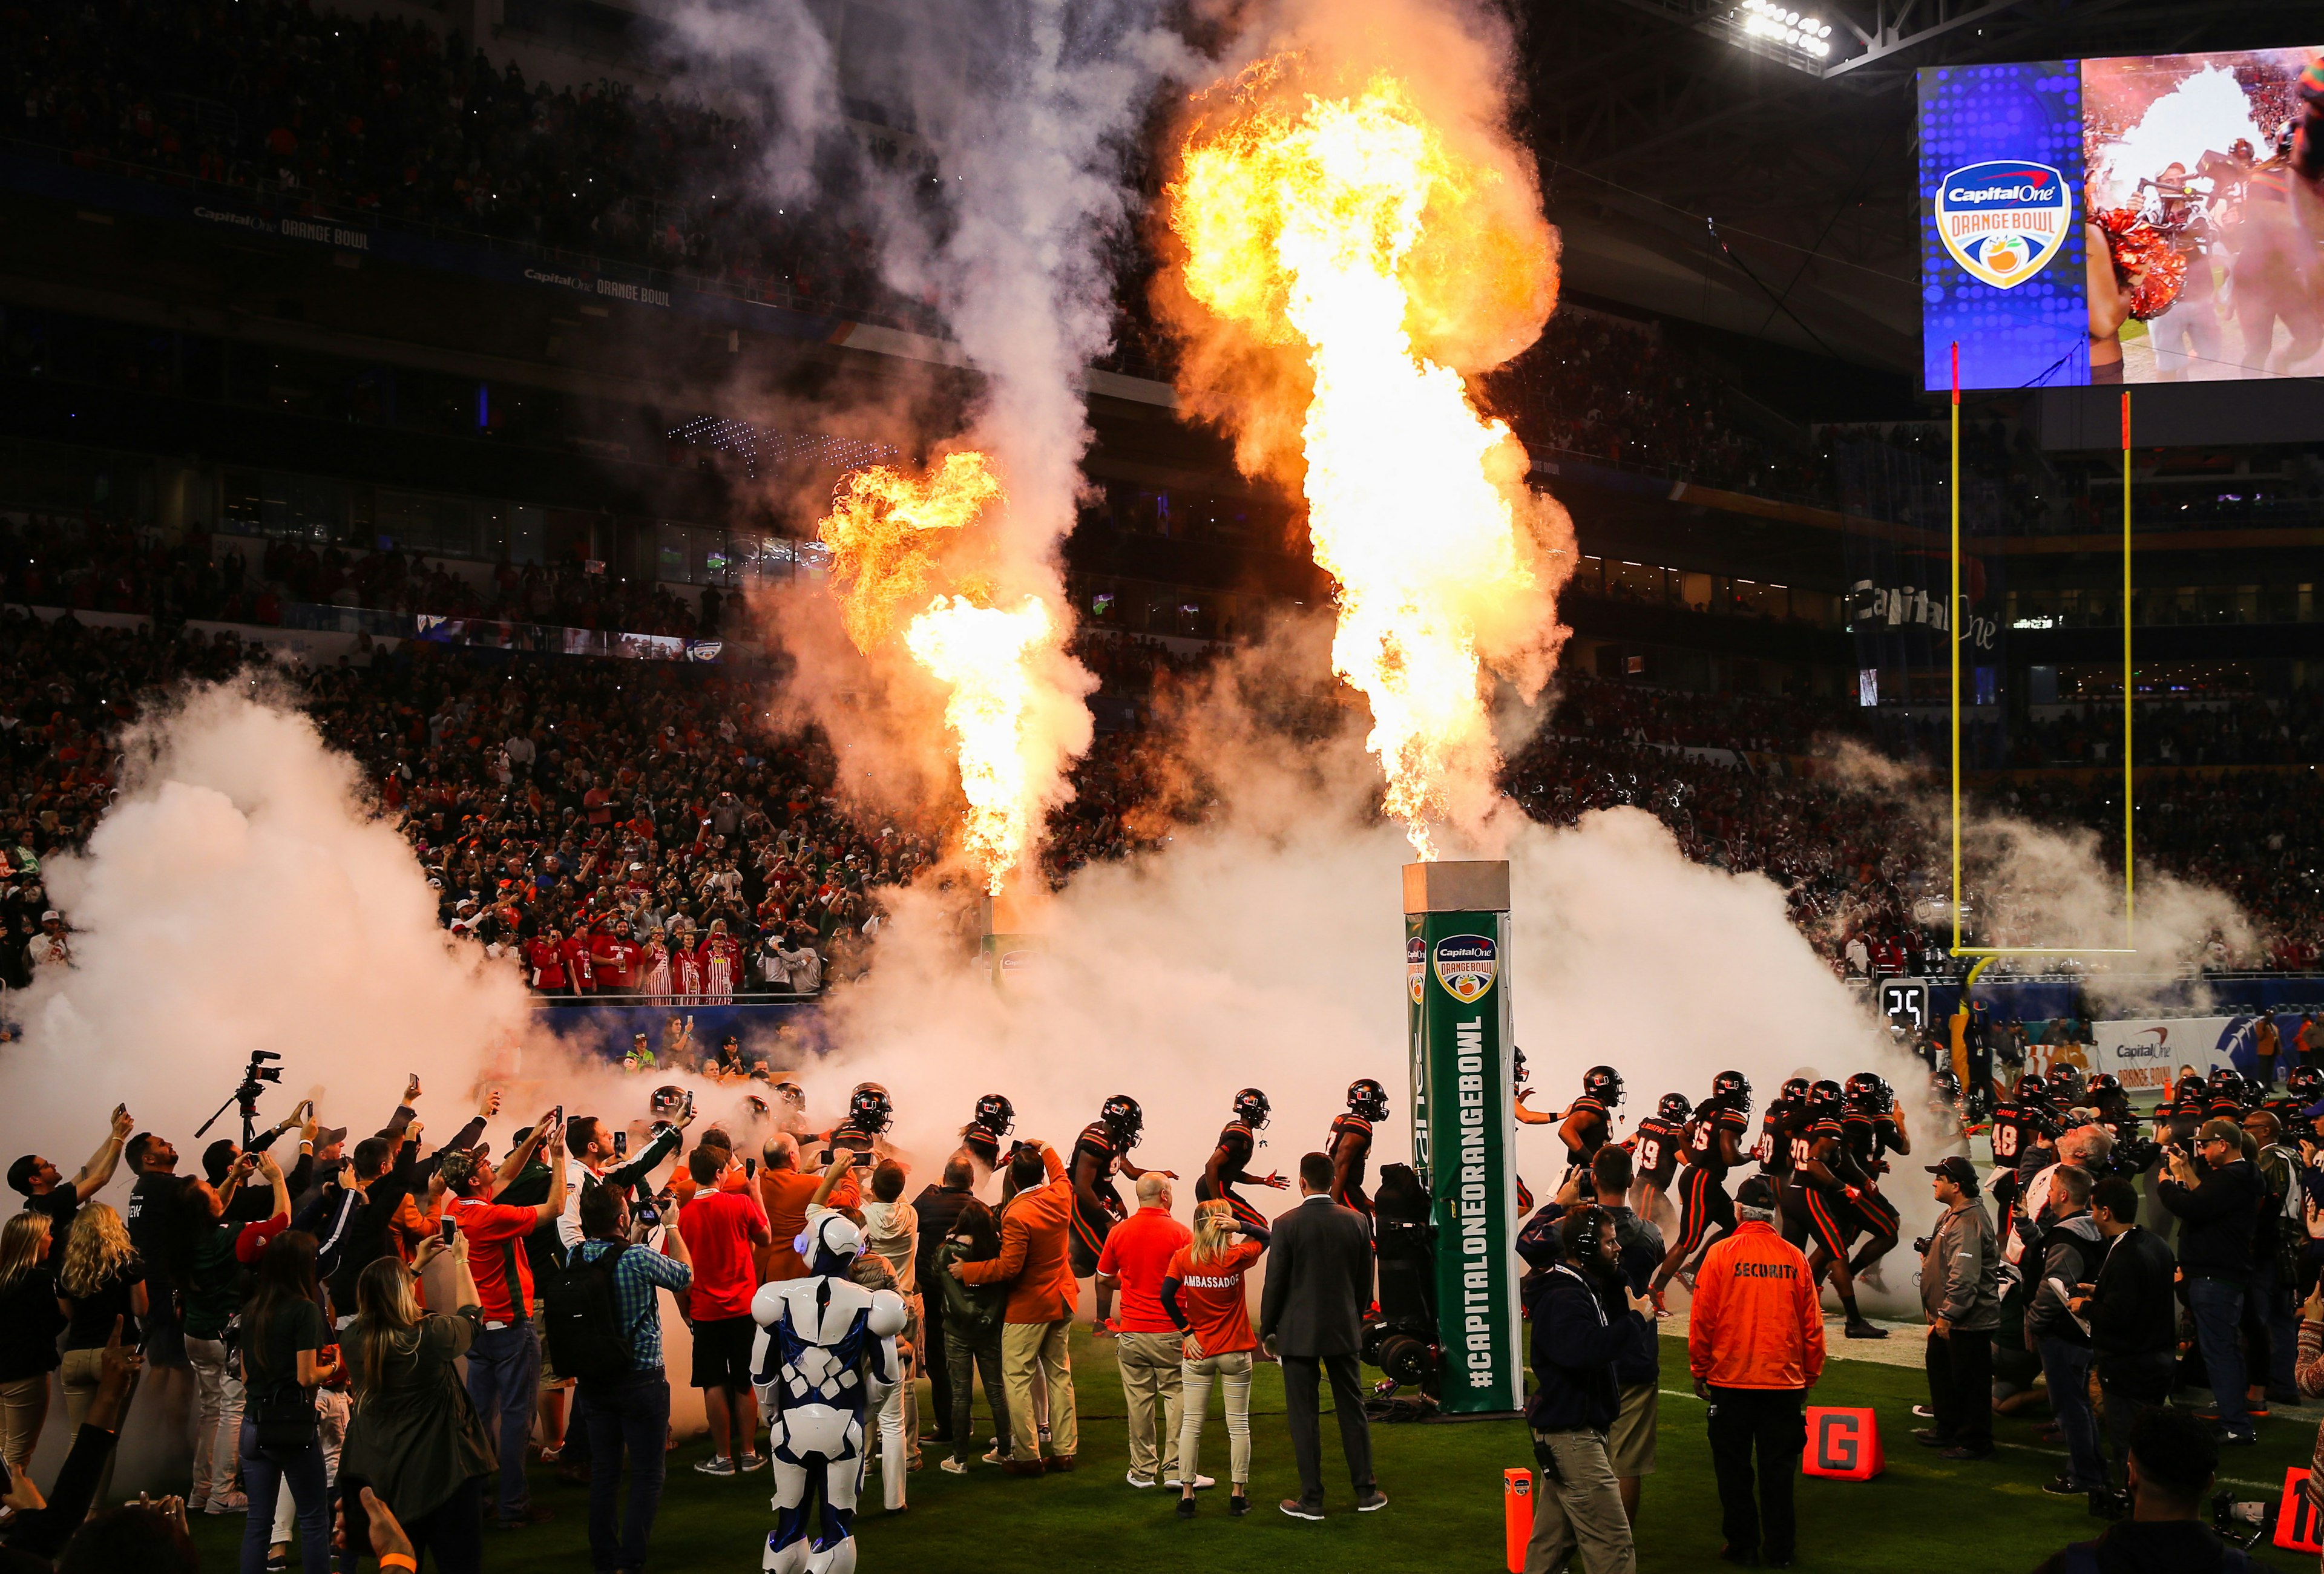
x=255 y=1078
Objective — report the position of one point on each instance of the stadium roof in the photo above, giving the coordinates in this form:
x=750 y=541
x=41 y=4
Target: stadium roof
x=1700 y=169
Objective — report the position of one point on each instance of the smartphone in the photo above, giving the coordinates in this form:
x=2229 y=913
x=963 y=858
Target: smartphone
x=557 y=1117
x=450 y=1227
x=620 y=1144
x=751 y=1168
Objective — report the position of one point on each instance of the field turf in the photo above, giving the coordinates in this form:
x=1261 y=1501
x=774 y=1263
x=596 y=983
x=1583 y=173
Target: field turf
x=1444 y=1514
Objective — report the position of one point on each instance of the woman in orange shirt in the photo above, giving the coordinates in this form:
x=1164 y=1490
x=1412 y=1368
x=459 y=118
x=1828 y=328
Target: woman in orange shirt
x=1202 y=1290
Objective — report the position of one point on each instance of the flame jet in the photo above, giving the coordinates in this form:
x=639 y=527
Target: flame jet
x=1347 y=230
x=895 y=539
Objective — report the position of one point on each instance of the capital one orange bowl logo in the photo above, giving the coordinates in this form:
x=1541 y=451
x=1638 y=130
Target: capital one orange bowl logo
x=2004 y=219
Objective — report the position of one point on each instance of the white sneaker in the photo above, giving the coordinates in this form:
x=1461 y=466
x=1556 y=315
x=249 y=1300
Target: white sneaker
x=1141 y=1482
x=952 y=1467
x=1202 y=1483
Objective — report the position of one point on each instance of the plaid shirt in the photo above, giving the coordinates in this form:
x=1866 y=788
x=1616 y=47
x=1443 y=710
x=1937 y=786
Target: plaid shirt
x=635 y=1277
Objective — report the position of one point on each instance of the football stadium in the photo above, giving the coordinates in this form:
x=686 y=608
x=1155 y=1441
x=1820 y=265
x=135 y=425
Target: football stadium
x=1309 y=785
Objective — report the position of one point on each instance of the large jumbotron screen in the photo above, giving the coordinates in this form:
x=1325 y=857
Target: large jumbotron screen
x=2130 y=220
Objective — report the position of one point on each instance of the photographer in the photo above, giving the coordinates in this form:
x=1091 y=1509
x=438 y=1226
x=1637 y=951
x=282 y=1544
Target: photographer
x=1585 y=1316
x=208 y=1251
x=2217 y=1212
x=2173 y=1460
x=627 y=1411
x=46 y=1190
x=505 y=1360
x=2133 y=1313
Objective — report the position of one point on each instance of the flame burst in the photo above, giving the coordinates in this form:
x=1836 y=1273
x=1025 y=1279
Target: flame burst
x=981 y=653
x=886 y=530
x=1336 y=226
x=882 y=533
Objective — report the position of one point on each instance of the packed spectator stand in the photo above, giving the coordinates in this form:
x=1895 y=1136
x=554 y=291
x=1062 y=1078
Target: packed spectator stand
x=385 y=118
x=654 y=804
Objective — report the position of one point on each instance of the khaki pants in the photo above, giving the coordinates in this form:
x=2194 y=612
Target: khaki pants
x=1580 y=1509
x=80 y=1372
x=1038 y=1348
x=1232 y=1371
x=23 y=1406
x=1149 y=1380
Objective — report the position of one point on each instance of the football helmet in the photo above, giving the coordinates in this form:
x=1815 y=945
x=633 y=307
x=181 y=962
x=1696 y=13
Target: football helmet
x=1732 y=1089
x=1250 y=1108
x=869 y=1110
x=1122 y=1116
x=996 y=1114
x=1603 y=1083
x=1368 y=1099
x=1675 y=1108
x=2030 y=1089
x=1795 y=1090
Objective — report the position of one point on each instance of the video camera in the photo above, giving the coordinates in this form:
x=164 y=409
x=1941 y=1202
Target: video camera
x=255 y=1078
x=2243 y=1523
x=1401 y=1339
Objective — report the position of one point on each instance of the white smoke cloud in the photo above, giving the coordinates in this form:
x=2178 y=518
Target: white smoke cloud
x=2204 y=114
x=235 y=899
x=1266 y=949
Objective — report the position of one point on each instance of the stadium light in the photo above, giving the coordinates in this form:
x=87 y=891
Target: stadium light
x=1805 y=39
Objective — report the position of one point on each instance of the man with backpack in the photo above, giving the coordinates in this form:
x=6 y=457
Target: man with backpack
x=604 y=1329
x=956 y=1227
x=592 y=1155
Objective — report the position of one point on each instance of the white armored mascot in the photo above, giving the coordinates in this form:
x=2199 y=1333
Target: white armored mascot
x=825 y=1355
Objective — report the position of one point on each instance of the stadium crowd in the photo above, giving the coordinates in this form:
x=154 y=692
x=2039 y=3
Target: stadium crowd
x=1605 y=388
x=333 y=112
x=606 y=827
x=587 y=808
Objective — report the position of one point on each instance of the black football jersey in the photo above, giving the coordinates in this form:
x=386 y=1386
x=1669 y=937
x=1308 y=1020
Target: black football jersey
x=1703 y=1148
x=1594 y=1128
x=1654 y=1150
x=1351 y=1134
x=1774 y=1148
x=1097 y=1143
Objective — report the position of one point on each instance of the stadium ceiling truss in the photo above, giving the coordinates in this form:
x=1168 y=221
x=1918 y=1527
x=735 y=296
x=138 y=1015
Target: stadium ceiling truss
x=1665 y=113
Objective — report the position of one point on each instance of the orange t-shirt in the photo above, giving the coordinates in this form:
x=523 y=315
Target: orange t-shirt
x=785 y=1194
x=1211 y=1297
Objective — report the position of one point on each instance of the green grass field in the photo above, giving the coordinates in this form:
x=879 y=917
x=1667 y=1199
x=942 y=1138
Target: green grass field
x=1443 y=1481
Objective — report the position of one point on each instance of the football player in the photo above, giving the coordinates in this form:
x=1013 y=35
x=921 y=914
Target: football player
x=1237 y=1142
x=1588 y=1122
x=1872 y=1127
x=994 y=1119
x=1100 y=1153
x=1827 y=1184
x=1714 y=1144
x=1654 y=1149
x=2017 y=1124
x=864 y=1132
x=1351 y=1143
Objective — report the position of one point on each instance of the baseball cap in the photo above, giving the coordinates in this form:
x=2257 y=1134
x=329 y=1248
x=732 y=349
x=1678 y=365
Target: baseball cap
x=2230 y=1132
x=1958 y=1171
x=328 y=1134
x=52 y=916
x=1755 y=1193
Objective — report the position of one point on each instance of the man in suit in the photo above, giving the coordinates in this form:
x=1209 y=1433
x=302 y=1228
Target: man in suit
x=1319 y=1275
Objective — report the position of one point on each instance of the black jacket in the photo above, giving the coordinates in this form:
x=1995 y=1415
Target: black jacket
x=2216 y=1219
x=2176 y=1546
x=1319 y=1277
x=1580 y=1326
x=939 y=1209
x=2134 y=1309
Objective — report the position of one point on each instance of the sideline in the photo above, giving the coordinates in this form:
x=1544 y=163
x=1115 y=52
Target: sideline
x=2273 y=1489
